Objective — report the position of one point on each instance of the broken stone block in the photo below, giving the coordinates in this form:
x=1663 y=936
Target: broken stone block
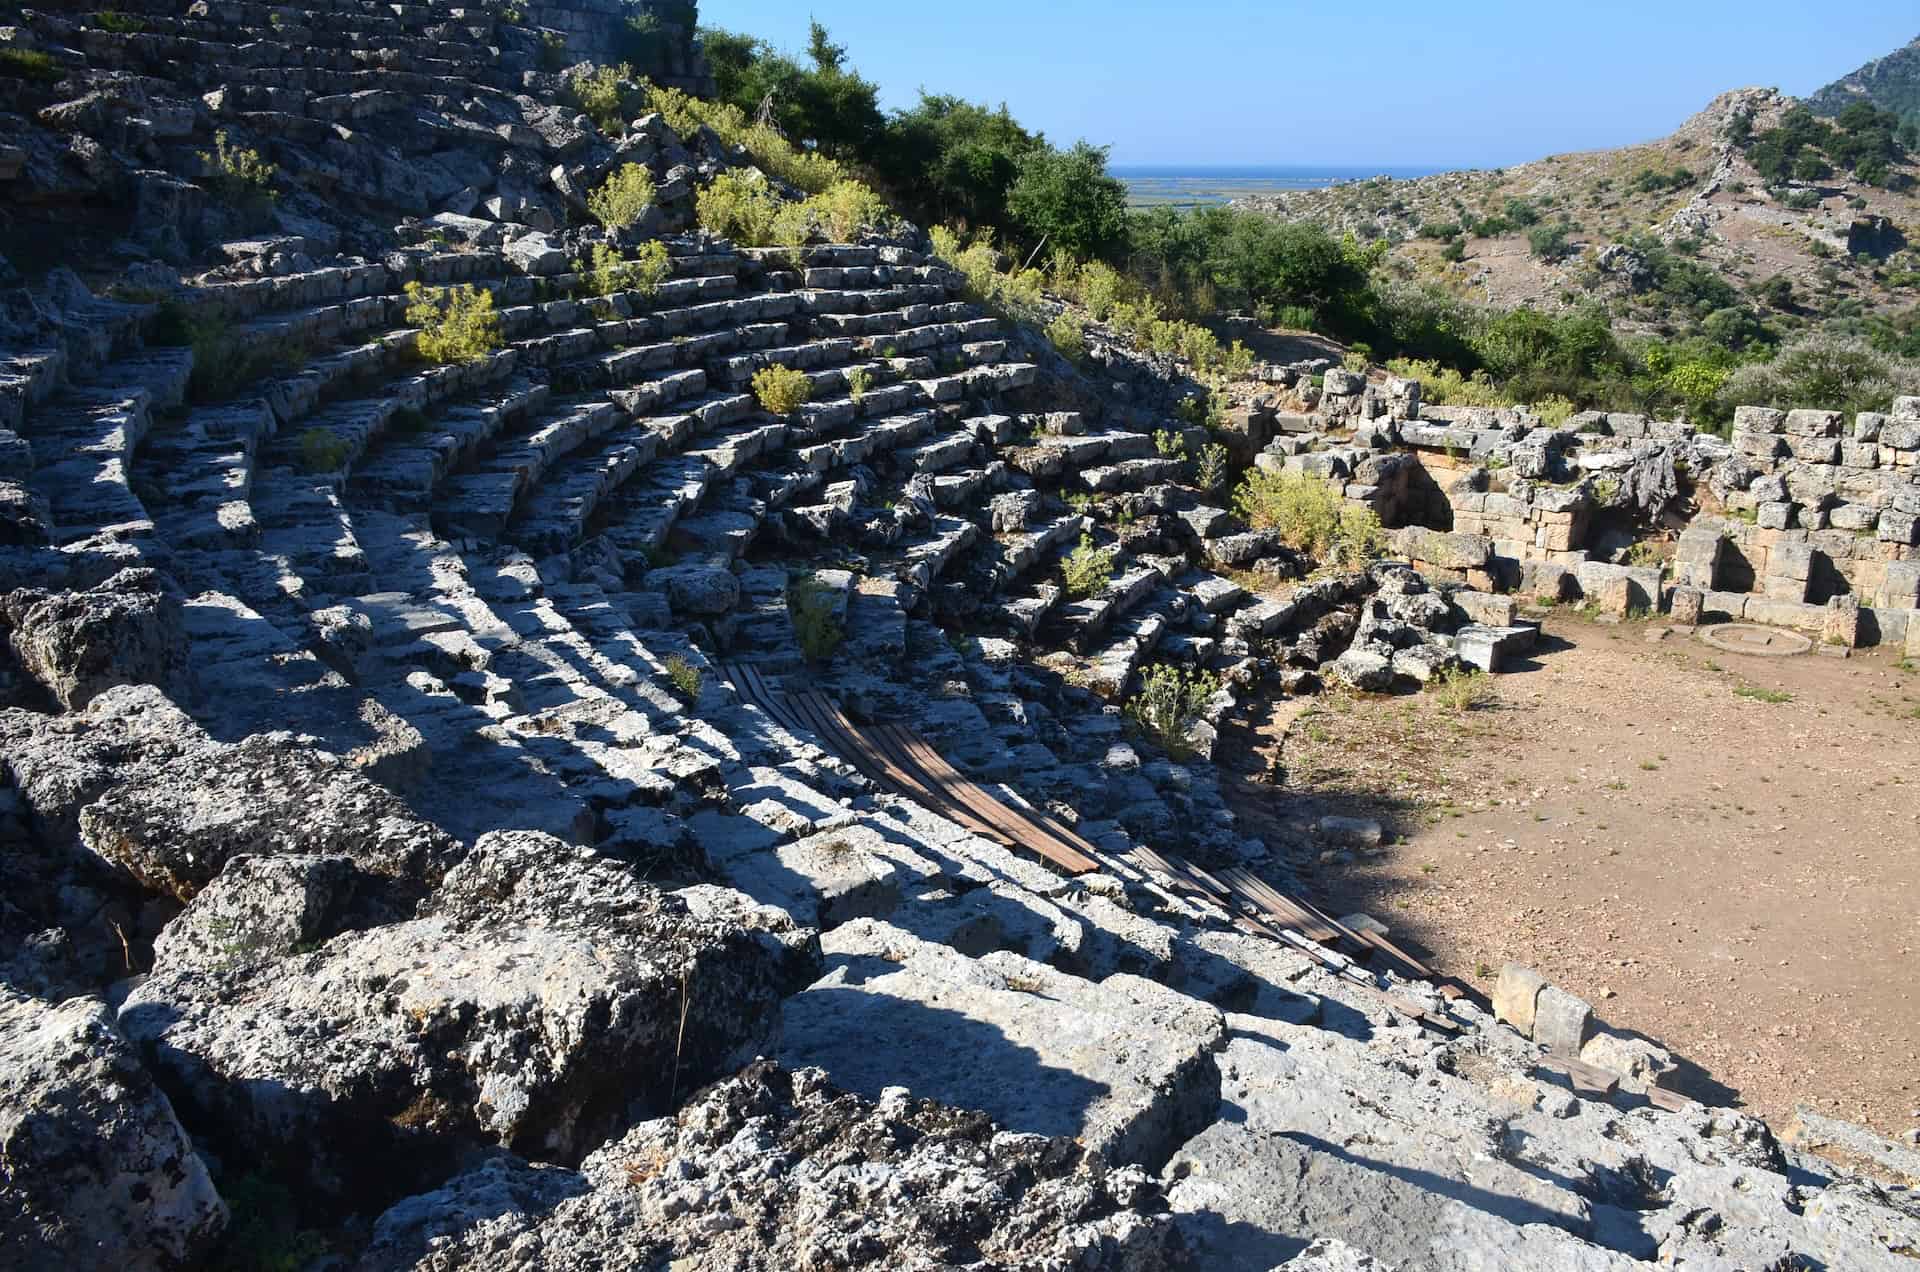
x=1687 y=605
x=128 y=630
x=1774 y=516
x=1515 y=994
x=1485 y=608
x=1561 y=1022
x=1489 y=648
x=1350 y=832
x=1635 y=1059
x=1842 y=626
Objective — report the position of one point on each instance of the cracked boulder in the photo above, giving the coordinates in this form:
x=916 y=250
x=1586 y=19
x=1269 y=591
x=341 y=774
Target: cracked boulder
x=127 y=630
x=95 y=1171
x=543 y=996
x=777 y=1169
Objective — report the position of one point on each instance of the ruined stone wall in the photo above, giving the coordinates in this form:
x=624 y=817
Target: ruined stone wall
x=597 y=30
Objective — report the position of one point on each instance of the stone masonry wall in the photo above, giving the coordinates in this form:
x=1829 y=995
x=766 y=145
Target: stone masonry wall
x=596 y=30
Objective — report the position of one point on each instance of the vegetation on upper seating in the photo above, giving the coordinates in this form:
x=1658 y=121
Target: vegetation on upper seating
x=1169 y=703
x=684 y=677
x=1212 y=469
x=611 y=270
x=238 y=173
x=223 y=364
x=623 y=198
x=782 y=390
x=321 y=451
x=1068 y=336
x=1309 y=515
x=119 y=23
x=808 y=169
x=859 y=380
x=456 y=324
x=814 y=609
x=31 y=65
x=608 y=95
x=1087 y=569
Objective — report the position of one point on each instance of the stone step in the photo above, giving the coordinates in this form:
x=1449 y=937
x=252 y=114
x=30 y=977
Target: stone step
x=1124 y=1066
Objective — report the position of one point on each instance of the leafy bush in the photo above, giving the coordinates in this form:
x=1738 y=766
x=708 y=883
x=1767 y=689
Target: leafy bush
x=322 y=451
x=684 y=677
x=1305 y=510
x=737 y=207
x=606 y=94
x=1549 y=242
x=1212 y=471
x=812 y=605
x=1823 y=371
x=1068 y=336
x=623 y=198
x=772 y=152
x=239 y=174
x=859 y=380
x=642 y=272
x=119 y=23
x=1169 y=444
x=782 y=390
x=457 y=324
x=846 y=208
x=31 y=65
x=1168 y=704
x=1554 y=410
x=1087 y=569
x=1463 y=689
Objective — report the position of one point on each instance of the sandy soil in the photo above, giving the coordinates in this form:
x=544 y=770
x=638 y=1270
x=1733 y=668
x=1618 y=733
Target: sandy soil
x=1734 y=876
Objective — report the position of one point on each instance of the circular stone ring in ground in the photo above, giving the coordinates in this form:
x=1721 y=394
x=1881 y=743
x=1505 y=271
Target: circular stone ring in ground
x=1766 y=642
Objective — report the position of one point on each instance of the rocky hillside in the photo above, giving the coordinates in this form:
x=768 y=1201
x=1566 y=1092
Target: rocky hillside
x=510 y=723
x=1891 y=83
x=1839 y=242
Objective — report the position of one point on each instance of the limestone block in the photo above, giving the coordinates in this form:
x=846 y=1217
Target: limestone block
x=1562 y=1022
x=1485 y=608
x=1843 y=622
x=1686 y=606
x=1774 y=515
x=1791 y=561
x=1813 y=423
x=1515 y=994
x=1758 y=419
x=1900 y=588
x=1913 y=633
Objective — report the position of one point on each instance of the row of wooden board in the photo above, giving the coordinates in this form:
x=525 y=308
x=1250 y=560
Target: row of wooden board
x=897 y=759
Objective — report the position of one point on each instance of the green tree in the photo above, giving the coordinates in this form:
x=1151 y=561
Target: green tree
x=1067 y=198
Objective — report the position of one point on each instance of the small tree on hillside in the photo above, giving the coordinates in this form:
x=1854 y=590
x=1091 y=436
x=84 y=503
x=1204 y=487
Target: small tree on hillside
x=1066 y=197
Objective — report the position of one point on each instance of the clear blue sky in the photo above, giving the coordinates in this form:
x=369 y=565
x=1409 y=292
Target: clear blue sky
x=1400 y=82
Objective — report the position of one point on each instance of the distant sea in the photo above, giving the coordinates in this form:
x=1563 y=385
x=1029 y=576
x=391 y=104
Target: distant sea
x=1192 y=186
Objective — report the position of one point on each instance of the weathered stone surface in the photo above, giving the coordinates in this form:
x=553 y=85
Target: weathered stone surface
x=76 y=644
x=1364 y=669
x=1037 y=1049
x=540 y=994
x=1514 y=996
x=1562 y=1023
x=174 y=832
x=95 y=1171
x=259 y=908
x=777 y=1169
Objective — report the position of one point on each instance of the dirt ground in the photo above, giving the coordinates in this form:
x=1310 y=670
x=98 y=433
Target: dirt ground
x=1719 y=851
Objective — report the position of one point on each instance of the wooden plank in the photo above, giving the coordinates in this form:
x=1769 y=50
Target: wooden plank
x=1016 y=822
x=1672 y=1101
x=1588 y=1079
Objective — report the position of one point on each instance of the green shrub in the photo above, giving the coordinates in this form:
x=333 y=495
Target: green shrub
x=811 y=171
x=1305 y=510
x=264 y=1233
x=1087 y=569
x=1359 y=538
x=31 y=65
x=1068 y=336
x=322 y=451
x=610 y=271
x=812 y=605
x=1168 y=704
x=1463 y=689
x=119 y=23
x=737 y=207
x=603 y=93
x=623 y=198
x=1169 y=444
x=408 y=421
x=457 y=324
x=1212 y=471
x=846 y=208
x=239 y=174
x=1554 y=410
x=684 y=677
x=782 y=390
x=859 y=380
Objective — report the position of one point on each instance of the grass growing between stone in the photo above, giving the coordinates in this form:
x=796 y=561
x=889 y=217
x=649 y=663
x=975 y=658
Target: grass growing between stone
x=1754 y=693
x=812 y=605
